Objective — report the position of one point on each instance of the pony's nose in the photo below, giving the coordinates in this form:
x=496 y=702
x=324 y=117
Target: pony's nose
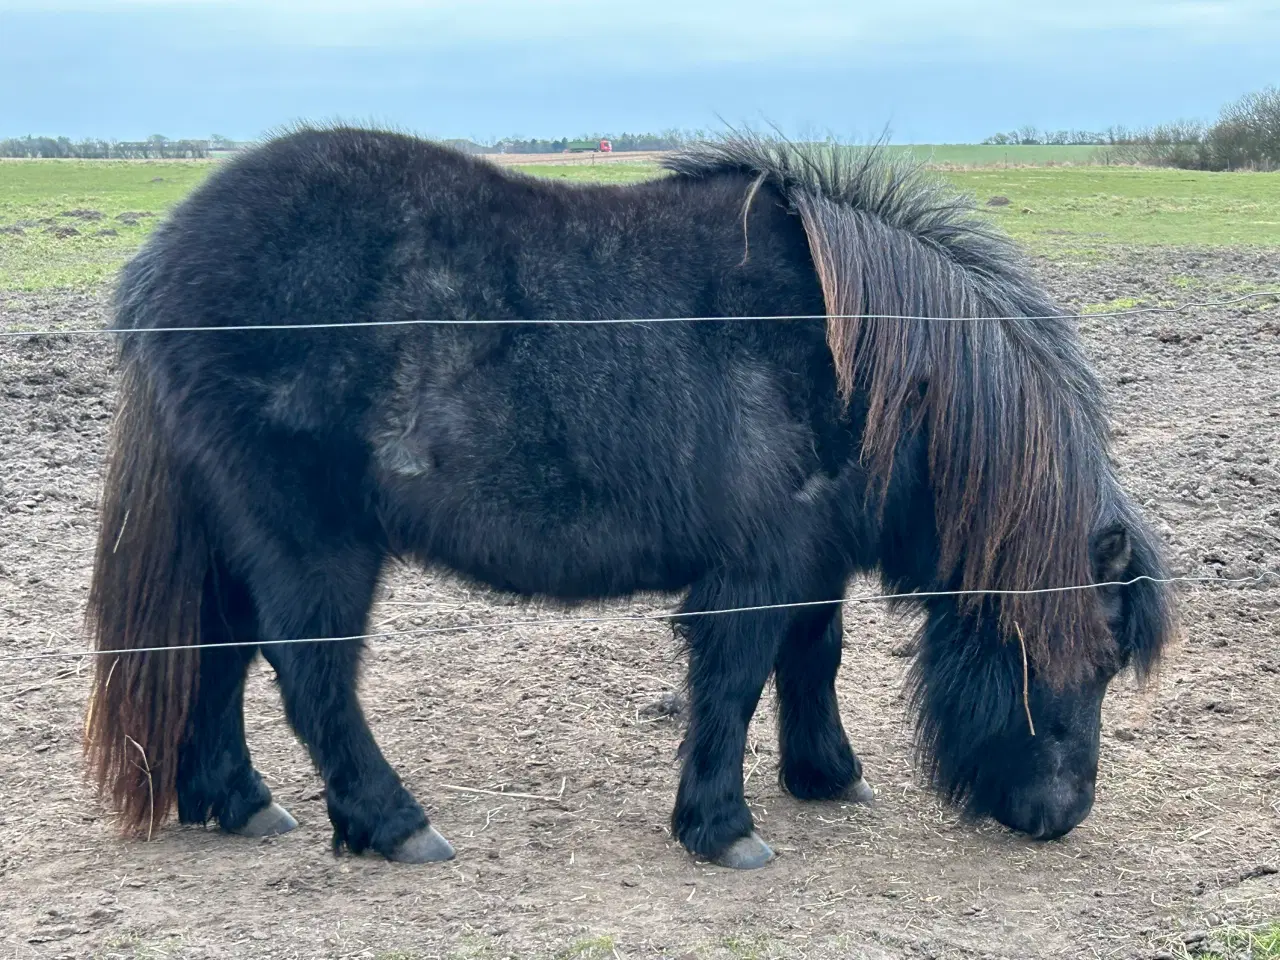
x=1053 y=810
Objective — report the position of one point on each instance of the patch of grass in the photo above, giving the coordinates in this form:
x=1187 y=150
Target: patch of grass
x=748 y=948
x=128 y=947
x=481 y=947
x=34 y=195
x=471 y=947
x=1235 y=283
x=467 y=947
x=614 y=172
x=1235 y=943
x=1265 y=943
x=763 y=946
x=1119 y=303
x=588 y=948
x=1094 y=207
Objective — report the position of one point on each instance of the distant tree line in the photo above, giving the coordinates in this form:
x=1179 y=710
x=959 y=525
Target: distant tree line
x=153 y=148
x=1031 y=136
x=1246 y=136
x=623 y=141
x=158 y=147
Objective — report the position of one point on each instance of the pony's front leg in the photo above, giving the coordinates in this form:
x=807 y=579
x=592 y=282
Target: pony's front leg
x=730 y=658
x=816 y=761
x=369 y=807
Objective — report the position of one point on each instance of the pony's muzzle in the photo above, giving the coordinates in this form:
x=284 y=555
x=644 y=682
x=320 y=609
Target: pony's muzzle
x=1053 y=810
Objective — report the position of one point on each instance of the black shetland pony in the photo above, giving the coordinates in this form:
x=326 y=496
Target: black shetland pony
x=259 y=481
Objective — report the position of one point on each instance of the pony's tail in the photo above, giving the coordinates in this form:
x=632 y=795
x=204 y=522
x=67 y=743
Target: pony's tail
x=148 y=579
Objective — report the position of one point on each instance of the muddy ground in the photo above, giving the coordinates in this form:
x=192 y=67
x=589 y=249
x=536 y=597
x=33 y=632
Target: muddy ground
x=1184 y=838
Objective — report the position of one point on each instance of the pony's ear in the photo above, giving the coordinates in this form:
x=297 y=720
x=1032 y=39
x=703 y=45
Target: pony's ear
x=1110 y=553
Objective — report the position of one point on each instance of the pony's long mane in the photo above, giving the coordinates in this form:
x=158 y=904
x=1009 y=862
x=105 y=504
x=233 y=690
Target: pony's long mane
x=1015 y=418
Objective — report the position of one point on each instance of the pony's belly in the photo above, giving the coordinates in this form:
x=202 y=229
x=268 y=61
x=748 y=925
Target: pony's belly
x=569 y=562
x=547 y=541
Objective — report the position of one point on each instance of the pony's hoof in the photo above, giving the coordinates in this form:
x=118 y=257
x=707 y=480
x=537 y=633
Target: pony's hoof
x=270 y=821
x=745 y=853
x=425 y=846
x=859 y=792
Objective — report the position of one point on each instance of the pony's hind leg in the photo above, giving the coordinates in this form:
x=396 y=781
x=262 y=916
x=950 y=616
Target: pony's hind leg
x=368 y=805
x=817 y=762
x=216 y=778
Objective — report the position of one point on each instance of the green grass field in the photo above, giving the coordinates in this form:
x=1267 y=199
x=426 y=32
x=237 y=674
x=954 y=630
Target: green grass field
x=609 y=173
x=34 y=195
x=1052 y=208
x=1015 y=155
x=1069 y=211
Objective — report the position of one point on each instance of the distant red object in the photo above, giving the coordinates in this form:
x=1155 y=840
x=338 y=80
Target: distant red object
x=588 y=146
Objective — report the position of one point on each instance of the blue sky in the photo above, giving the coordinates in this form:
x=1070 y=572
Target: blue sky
x=928 y=70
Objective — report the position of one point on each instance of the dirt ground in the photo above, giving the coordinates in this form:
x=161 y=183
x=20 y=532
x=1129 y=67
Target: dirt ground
x=1185 y=835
